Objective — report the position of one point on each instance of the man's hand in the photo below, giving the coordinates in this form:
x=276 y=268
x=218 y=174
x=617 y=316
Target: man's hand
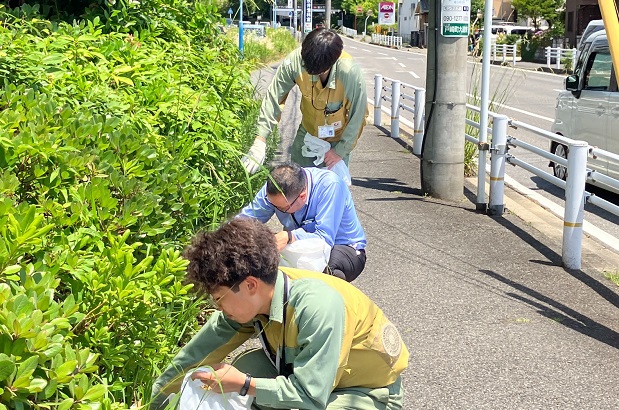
x=224 y=379
x=331 y=158
x=281 y=240
x=255 y=157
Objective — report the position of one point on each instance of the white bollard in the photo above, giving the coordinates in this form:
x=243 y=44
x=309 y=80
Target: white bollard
x=395 y=109
x=514 y=51
x=559 y=54
x=378 y=88
x=496 y=204
x=493 y=51
x=420 y=101
x=574 y=204
x=574 y=58
x=504 y=53
x=548 y=56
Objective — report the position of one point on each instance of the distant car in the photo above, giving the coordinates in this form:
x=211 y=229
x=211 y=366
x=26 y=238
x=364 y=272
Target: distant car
x=589 y=108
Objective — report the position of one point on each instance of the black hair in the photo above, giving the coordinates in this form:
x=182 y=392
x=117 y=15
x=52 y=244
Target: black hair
x=288 y=179
x=320 y=50
x=240 y=248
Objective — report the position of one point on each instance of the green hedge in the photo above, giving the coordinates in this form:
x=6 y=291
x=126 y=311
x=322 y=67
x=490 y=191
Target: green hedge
x=115 y=147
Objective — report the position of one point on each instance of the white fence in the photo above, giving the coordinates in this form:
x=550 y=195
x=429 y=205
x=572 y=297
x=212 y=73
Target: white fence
x=501 y=144
x=558 y=54
x=349 y=31
x=503 y=51
x=391 y=41
x=400 y=93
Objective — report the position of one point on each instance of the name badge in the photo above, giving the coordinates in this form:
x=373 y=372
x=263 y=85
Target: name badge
x=326 y=131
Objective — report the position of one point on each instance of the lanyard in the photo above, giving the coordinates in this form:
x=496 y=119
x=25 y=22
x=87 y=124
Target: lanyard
x=309 y=197
x=279 y=359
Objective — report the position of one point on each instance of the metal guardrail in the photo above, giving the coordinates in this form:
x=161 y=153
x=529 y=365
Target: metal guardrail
x=504 y=50
x=349 y=31
x=501 y=144
x=401 y=93
x=558 y=54
x=391 y=41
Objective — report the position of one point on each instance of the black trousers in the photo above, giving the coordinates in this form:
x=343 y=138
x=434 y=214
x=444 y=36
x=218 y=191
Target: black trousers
x=346 y=262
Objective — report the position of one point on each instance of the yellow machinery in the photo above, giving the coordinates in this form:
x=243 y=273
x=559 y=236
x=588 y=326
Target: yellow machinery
x=610 y=14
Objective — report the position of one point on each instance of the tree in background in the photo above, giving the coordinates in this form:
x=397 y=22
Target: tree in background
x=537 y=10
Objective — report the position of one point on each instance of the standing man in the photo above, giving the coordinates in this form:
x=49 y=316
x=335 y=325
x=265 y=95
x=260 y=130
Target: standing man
x=333 y=100
x=326 y=345
x=309 y=203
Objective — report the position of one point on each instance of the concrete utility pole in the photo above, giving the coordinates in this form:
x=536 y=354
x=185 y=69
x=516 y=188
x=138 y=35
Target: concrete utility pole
x=442 y=165
x=328 y=13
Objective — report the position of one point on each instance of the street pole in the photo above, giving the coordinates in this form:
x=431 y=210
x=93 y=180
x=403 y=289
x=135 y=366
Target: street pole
x=483 y=112
x=241 y=27
x=328 y=13
x=295 y=17
x=442 y=164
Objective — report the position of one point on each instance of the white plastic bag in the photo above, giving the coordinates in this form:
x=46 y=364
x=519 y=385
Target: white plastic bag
x=194 y=397
x=309 y=254
x=342 y=171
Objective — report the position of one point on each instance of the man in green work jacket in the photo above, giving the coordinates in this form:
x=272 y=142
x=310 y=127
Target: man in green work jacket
x=333 y=100
x=325 y=344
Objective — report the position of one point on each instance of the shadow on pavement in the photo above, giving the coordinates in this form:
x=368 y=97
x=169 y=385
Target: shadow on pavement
x=561 y=313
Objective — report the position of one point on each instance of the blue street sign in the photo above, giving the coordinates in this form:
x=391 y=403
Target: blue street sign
x=230 y=11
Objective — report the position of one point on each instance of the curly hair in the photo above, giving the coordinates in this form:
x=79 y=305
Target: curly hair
x=240 y=248
x=320 y=50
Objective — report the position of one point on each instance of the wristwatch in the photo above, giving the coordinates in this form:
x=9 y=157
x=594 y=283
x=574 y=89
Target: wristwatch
x=245 y=387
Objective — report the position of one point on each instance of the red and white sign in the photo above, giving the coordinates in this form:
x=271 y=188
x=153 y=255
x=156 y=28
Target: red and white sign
x=359 y=9
x=386 y=13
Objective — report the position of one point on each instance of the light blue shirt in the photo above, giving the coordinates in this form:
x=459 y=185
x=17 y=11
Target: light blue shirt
x=328 y=213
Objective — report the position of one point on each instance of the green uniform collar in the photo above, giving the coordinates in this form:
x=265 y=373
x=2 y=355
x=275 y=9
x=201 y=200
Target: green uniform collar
x=277 y=303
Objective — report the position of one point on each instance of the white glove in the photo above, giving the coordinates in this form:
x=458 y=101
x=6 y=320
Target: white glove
x=255 y=157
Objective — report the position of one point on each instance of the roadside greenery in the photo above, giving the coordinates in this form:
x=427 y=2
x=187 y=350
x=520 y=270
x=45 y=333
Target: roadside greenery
x=120 y=136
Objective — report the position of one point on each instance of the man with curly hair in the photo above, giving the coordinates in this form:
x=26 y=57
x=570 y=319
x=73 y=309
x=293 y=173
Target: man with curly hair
x=326 y=345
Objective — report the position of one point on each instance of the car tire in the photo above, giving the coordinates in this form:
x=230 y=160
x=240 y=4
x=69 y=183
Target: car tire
x=559 y=170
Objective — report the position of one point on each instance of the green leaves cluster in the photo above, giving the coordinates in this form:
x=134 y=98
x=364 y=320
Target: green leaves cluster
x=119 y=138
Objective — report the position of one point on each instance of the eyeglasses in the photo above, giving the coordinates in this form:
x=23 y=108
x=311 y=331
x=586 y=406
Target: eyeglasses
x=216 y=302
x=285 y=210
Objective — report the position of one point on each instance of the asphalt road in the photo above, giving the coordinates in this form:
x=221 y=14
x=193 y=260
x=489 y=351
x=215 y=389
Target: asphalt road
x=524 y=95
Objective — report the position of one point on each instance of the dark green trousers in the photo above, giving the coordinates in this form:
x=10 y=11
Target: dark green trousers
x=256 y=363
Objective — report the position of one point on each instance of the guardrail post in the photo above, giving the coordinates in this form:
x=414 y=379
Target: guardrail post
x=559 y=54
x=574 y=204
x=504 y=53
x=514 y=51
x=395 y=109
x=548 y=56
x=493 y=51
x=378 y=88
x=496 y=204
x=574 y=58
x=420 y=100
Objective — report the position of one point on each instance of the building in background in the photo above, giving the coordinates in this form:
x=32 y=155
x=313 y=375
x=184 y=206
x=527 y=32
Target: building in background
x=578 y=13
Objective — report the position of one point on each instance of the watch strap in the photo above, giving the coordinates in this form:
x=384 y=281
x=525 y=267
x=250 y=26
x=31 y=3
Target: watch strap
x=245 y=387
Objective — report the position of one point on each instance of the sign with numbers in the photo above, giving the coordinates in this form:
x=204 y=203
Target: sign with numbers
x=455 y=18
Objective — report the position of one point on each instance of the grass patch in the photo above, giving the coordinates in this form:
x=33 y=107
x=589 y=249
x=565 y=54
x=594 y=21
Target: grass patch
x=613 y=277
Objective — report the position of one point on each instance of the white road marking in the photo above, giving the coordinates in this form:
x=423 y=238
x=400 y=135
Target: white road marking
x=382 y=54
x=413 y=74
x=402 y=65
x=386 y=58
x=557 y=90
x=541 y=117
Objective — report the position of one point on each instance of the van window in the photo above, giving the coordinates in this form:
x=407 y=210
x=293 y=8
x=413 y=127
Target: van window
x=598 y=71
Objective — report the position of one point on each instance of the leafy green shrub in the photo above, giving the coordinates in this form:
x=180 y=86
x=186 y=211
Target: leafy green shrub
x=115 y=148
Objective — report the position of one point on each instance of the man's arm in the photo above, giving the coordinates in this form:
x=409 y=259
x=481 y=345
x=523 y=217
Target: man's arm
x=330 y=205
x=259 y=208
x=320 y=318
x=218 y=337
x=282 y=83
x=355 y=92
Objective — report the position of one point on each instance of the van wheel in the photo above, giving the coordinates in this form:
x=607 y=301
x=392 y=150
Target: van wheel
x=559 y=170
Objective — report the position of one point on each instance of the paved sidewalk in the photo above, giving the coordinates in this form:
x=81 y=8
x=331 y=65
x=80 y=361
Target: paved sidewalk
x=491 y=319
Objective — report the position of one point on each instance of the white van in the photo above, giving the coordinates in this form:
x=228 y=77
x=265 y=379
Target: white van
x=593 y=27
x=508 y=29
x=589 y=108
